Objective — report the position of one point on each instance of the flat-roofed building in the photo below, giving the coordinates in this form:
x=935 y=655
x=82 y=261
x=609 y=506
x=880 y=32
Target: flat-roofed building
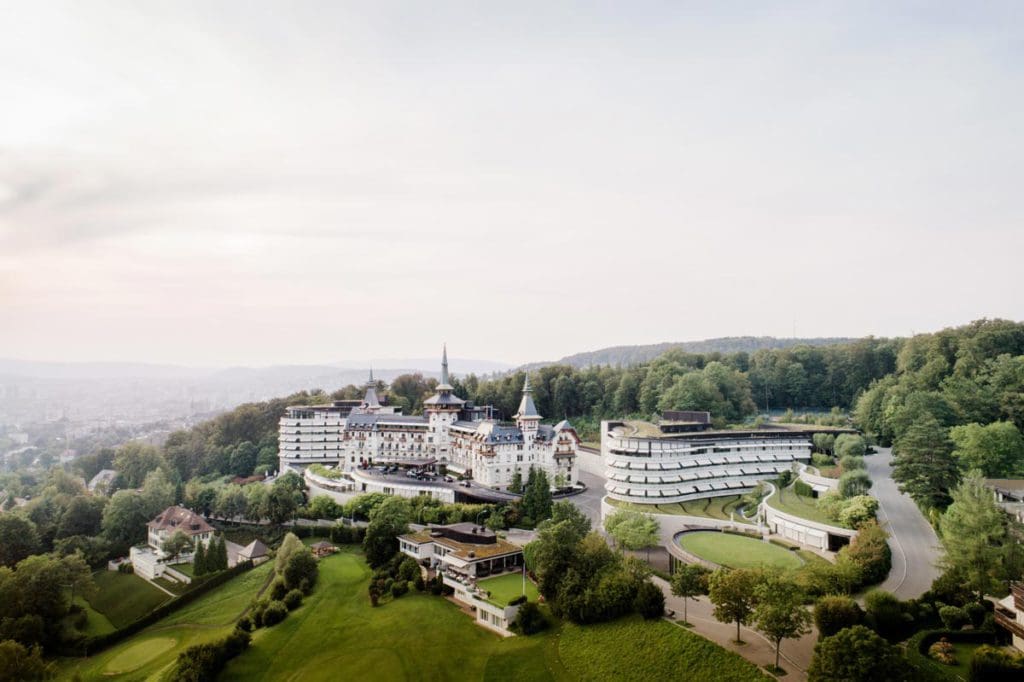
x=681 y=459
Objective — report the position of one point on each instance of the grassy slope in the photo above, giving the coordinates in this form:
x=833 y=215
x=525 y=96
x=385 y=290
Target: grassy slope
x=124 y=598
x=789 y=502
x=736 y=551
x=151 y=652
x=634 y=649
x=336 y=634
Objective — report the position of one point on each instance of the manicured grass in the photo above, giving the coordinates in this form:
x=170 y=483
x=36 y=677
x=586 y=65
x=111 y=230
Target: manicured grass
x=505 y=588
x=124 y=597
x=225 y=604
x=96 y=623
x=634 y=649
x=151 y=653
x=138 y=655
x=787 y=501
x=336 y=634
x=185 y=569
x=736 y=551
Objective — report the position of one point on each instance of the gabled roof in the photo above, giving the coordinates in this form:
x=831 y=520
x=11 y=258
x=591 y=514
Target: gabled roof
x=178 y=518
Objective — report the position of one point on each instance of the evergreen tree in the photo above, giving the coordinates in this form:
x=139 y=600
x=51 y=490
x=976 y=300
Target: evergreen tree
x=222 y=554
x=517 y=482
x=199 y=561
x=537 y=498
x=924 y=465
x=975 y=537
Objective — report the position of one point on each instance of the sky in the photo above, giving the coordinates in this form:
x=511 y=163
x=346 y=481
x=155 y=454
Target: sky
x=251 y=183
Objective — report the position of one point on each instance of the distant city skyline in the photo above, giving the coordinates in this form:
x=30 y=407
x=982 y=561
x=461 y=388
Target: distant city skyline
x=259 y=184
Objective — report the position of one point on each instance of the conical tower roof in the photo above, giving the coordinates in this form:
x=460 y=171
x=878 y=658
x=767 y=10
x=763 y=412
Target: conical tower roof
x=527 y=409
x=371 y=399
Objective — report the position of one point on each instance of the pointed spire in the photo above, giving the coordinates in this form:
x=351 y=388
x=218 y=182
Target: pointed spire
x=371 y=375
x=526 y=407
x=444 y=369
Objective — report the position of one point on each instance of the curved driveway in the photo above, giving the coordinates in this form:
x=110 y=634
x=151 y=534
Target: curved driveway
x=915 y=547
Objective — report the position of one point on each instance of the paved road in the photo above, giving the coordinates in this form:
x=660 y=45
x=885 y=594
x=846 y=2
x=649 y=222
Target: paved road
x=589 y=501
x=915 y=547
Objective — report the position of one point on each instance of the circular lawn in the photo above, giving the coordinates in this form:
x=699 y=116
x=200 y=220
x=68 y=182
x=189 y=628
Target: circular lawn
x=736 y=551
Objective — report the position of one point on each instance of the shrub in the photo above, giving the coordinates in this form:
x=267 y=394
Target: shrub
x=953 y=617
x=278 y=589
x=398 y=588
x=835 y=612
x=204 y=661
x=852 y=463
x=819 y=460
x=885 y=614
x=649 y=601
x=419 y=584
x=870 y=551
x=857 y=511
x=853 y=483
x=244 y=624
x=530 y=619
x=803 y=489
x=943 y=652
x=521 y=599
x=300 y=572
x=976 y=613
x=785 y=478
x=274 y=613
x=293 y=599
x=408 y=569
x=990 y=664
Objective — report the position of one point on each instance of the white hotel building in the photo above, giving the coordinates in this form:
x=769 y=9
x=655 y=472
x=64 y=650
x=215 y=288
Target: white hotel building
x=463 y=437
x=680 y=458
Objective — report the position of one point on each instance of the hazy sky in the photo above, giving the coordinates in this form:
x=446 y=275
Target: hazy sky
x=255 y=183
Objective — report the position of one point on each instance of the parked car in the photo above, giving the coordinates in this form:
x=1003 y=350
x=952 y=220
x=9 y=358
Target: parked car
x=448 y=479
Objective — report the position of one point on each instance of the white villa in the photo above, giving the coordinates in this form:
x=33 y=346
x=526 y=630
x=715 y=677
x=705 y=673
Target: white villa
x=150 y=561
x=465 y=438
x=462 y=553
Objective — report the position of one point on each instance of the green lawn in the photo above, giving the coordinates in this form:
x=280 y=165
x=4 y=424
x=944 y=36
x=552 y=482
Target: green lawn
x=789 y=502
x=123 y=597
x=96 y=623
x=505 y=588
x=185 y=569
x=151 y=653
x=736 y=551
x=634 y=649
x=336 y=634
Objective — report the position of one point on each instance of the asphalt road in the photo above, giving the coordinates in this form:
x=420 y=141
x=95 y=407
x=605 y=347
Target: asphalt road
x=589 y=501
x=915 y=547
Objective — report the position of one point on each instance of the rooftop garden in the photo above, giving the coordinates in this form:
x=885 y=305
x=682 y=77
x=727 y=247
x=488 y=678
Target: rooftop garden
x=736 y=551
x=504 y=588
x=720 y=508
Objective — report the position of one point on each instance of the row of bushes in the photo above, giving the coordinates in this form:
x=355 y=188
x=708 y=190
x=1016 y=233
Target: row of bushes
x=92 y=645
x=296 y=573
x=396 y=576
x=203 y=662
x=865 y=561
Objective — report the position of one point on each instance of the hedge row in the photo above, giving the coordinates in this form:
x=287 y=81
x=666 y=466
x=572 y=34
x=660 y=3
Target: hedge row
x=92 y=645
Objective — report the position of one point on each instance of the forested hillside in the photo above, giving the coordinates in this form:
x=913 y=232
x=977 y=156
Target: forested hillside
x=955 y=402
x=623 y=356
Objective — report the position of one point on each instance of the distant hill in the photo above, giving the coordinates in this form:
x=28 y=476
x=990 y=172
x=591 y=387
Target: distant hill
x=632 y=355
